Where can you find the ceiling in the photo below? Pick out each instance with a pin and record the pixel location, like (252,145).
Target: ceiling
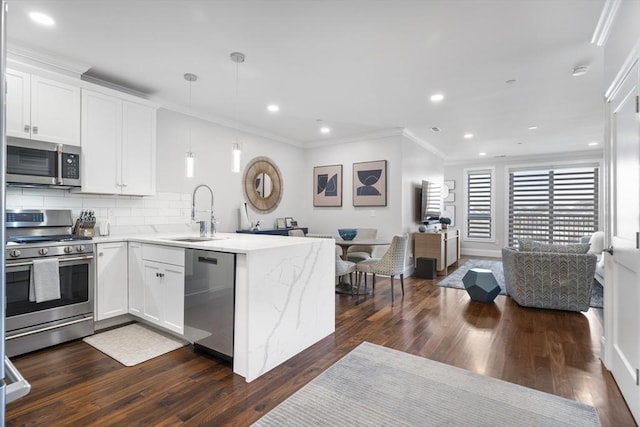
(361,67)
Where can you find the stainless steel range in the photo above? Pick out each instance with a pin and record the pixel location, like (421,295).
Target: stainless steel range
(37,316)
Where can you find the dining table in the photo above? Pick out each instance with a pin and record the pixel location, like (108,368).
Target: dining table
(346,287)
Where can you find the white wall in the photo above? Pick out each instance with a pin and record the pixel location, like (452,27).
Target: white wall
(211,145)
(407,165)
(327,220)
(456,172)
(418,164)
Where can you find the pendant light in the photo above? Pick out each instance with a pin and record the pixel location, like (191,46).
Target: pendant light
(189,160)
(236,150)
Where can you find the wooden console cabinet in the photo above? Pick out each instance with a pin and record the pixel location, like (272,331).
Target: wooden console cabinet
(443,246)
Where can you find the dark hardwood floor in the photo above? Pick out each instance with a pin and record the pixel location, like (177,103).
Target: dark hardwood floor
(552,351)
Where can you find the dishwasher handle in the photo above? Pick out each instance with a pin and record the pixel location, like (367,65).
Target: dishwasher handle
(17,386)
(208,260)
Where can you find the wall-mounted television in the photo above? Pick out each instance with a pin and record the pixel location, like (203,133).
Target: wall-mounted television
(431,206)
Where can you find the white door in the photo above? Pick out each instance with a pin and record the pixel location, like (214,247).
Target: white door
(136,279)
(55,111)
(173,313)
(138,149)
(622,283)
(18,120)
(111,280)
(101,143)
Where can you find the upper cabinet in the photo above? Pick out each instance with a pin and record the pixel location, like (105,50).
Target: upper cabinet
(118,145)
(42,109)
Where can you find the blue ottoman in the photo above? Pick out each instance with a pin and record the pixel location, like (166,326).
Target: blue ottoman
(481,285)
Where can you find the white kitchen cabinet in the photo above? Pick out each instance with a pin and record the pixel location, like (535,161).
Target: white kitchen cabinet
(111,280)
(136,279)
(161,299)
(118,145)
(42,109)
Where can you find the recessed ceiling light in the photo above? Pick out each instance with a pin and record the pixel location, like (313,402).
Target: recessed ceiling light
(593,144)
(532,127)
(435,129)
(436,97)
(41,18)
(580,70)
(482,154)
(325,129)
(273,108)
(510,81)
(467,136)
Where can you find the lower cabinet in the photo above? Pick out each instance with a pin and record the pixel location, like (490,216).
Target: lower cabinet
(111,280)
(156,285)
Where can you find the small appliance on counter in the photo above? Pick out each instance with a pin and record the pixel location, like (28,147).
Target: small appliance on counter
(85,225)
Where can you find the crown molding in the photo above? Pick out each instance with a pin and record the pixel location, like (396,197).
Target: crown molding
(33,58)
(221,121)
(424,144)
(384,133)
(603,28)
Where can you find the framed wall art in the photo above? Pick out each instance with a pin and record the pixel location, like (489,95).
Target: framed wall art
(327,185)
(370,183)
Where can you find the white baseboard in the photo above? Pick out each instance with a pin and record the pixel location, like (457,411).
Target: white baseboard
(481,252)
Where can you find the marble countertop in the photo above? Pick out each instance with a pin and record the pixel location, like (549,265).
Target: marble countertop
(223,242)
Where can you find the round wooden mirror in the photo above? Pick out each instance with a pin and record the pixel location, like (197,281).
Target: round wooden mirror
(262,184)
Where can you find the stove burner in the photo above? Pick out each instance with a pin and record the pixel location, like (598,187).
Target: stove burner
(41,239)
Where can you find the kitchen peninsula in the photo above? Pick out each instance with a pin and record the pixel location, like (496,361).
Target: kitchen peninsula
(284,293)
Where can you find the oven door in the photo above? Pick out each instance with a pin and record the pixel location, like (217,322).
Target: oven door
(76,293)
(32,162)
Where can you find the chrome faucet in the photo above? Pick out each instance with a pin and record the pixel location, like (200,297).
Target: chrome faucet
(203,229)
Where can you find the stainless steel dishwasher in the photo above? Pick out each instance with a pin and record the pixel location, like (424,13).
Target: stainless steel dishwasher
(209,301)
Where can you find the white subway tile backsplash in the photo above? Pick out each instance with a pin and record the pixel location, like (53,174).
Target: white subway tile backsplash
(20,202)
(169,196)
(154,203)
(62,202)
(98,202)
(125,211)
(129,220)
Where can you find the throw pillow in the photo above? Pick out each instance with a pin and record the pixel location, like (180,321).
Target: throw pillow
(597,242)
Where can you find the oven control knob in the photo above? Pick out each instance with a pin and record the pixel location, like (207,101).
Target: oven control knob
(43,251)
(80,248)
(14,253)
(68,249)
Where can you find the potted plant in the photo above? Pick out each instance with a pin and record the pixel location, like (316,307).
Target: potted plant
(444,222)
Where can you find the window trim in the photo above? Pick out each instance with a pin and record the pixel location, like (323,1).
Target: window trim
(492,172)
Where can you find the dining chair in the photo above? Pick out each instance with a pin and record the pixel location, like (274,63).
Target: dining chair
(359,253)
(344,267)
(391,264)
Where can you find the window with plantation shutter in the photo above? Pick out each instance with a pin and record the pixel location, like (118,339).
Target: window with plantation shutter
(479,205)
(557,205)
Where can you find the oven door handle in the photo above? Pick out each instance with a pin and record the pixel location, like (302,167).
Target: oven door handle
(63,260)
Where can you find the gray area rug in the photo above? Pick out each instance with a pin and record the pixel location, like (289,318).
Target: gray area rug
(454,280)
(134,343)
(378,386)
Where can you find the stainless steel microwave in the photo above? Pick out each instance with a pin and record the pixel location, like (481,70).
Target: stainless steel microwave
(41,163)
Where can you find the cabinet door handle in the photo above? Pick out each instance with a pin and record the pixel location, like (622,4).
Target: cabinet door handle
(35,129)
(160,275)
(27,128)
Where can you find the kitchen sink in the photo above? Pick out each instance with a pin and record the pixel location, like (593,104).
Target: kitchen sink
(191,239)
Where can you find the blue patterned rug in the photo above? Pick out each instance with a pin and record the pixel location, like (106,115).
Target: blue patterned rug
(454,279)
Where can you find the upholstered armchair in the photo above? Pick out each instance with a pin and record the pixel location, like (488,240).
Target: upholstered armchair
(540,277)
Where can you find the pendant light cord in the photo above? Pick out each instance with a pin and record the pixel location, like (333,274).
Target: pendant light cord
(237,105)
(190,115)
